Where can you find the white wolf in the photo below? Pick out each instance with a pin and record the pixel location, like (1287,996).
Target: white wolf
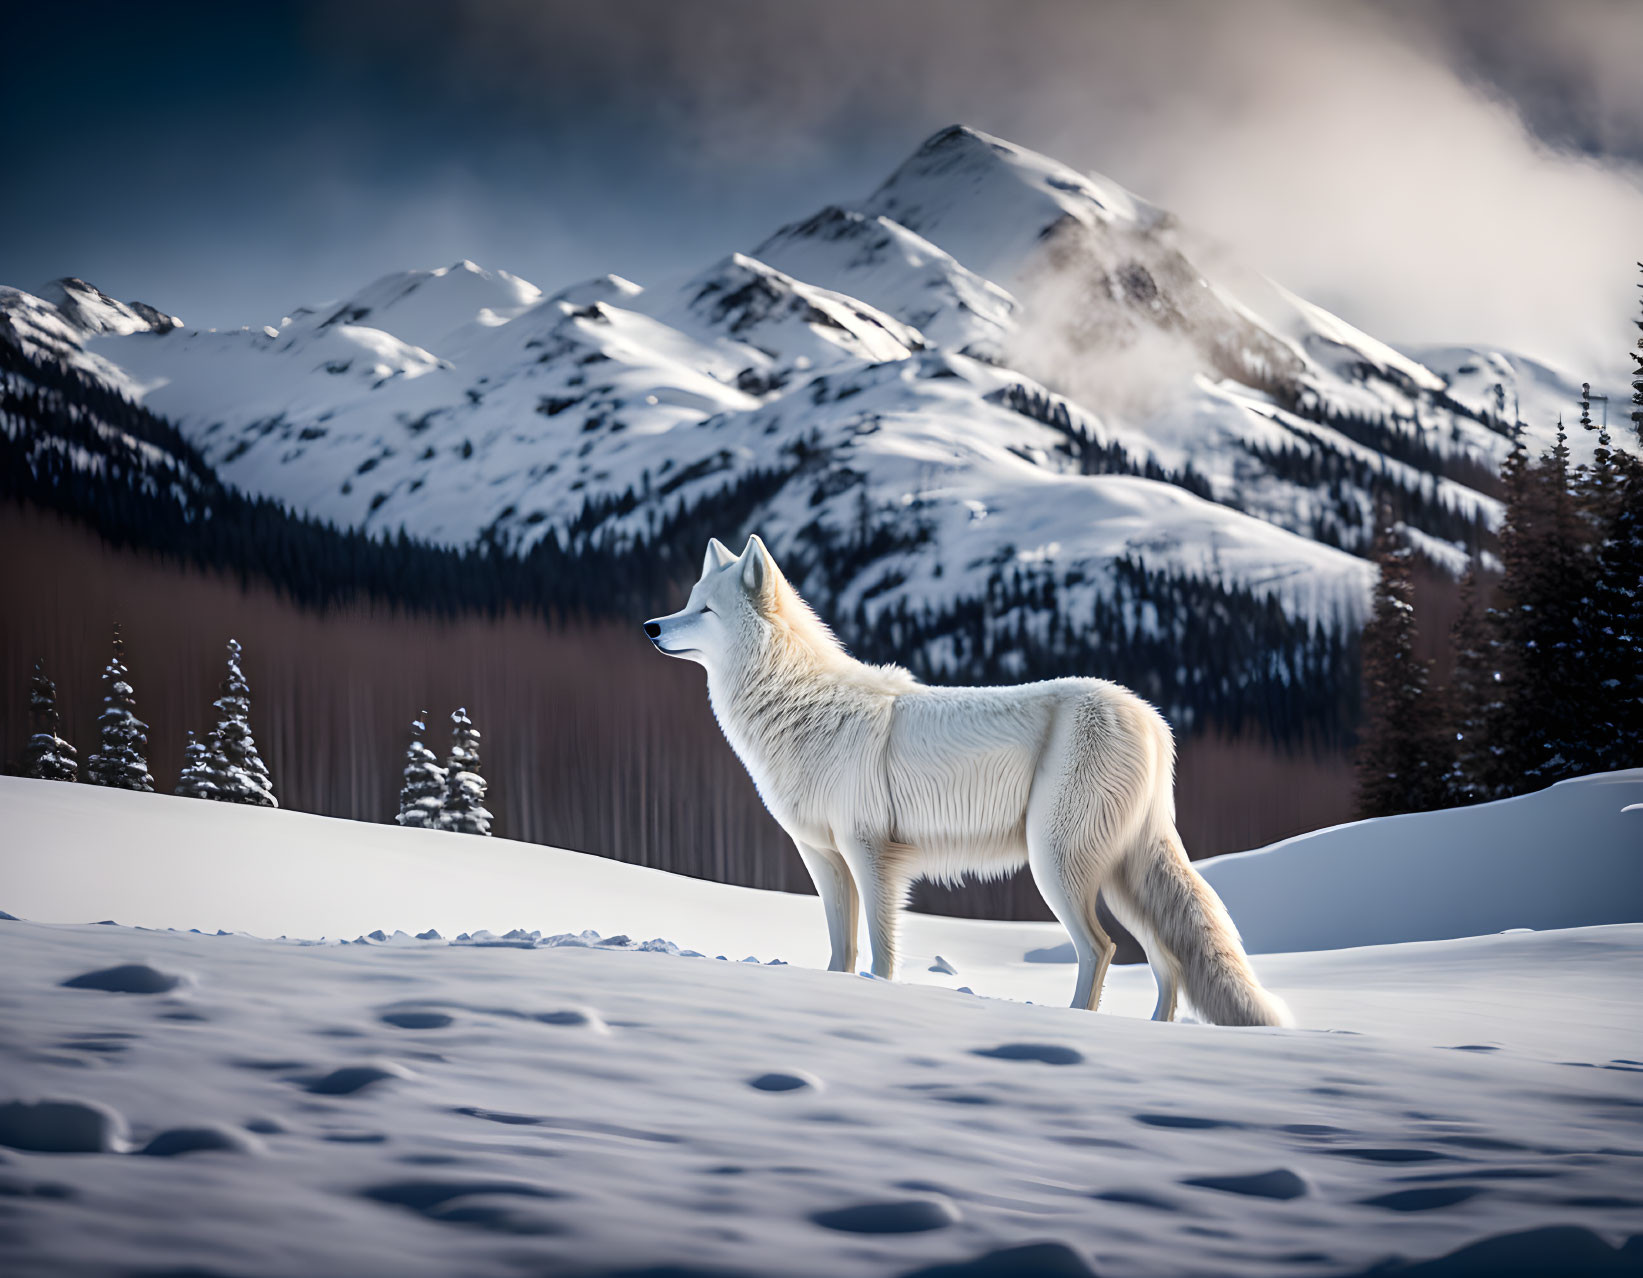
(880,779)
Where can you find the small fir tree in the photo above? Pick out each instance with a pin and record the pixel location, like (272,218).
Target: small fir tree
(122,760)
(422,794)
(1401,762)
(46,756)
(245,776)
(464,809)
(202,774)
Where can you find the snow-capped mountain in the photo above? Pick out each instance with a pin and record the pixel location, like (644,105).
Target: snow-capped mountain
(992,366)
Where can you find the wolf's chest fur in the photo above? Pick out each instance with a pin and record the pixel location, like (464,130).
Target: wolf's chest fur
(946,773)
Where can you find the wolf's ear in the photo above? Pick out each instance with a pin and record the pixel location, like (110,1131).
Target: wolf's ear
(758,569)
(718,555)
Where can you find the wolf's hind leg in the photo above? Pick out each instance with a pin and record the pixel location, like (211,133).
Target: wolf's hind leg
(837,890)
(1164,974)
(1081,811)
(1092,976)
(1073,903)
(1166,968)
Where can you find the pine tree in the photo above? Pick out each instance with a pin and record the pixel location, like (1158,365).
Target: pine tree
(122,761)
(1616,610)
(422,794)
(245,776)
(1584,736)
(1402,761)
(46,756)
(1637,378)
(203,771)
(1546,668)
(1472,690)
(464,810)
(1617,618)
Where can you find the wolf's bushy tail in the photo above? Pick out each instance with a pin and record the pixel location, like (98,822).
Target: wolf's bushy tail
(1183,913)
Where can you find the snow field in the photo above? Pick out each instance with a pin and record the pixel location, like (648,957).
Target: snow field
(435,1110)
(510,1105)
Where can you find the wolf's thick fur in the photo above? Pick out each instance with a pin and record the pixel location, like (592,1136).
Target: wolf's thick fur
(880,780)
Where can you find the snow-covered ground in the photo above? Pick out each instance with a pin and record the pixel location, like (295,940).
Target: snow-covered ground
(417,1107)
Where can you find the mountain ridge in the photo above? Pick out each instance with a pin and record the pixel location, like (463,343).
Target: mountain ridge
(992,370)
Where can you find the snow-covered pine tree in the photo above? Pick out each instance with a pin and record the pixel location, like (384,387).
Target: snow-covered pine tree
(46,756)
(202,773)
(122,760)
(464,810)
(422,794)
(245,776)
(1402,755)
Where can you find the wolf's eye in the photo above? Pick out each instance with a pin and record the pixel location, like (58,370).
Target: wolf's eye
(705,608)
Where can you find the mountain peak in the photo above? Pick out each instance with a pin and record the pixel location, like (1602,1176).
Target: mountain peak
(95,313)
(436,309)
(989,202)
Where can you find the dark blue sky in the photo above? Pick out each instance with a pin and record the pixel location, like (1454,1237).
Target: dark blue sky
(211,158)
(229,162)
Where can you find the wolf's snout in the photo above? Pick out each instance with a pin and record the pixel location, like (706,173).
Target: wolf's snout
(653,630)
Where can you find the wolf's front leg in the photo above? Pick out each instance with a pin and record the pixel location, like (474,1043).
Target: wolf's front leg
(882,878)
(837,890)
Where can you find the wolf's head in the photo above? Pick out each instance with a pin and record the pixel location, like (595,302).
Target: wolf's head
(735,595)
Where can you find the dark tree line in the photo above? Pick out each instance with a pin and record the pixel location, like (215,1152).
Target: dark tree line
(1343,479)
(1208,654)
(1094,455)
(1310,462)
(1402,439)
(1548,658)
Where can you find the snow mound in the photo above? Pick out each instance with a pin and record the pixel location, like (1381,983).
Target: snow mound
(61,1126)
(1568,856)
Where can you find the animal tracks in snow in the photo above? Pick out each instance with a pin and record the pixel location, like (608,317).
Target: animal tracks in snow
(126,978)
(497,1108)
(1046,1053)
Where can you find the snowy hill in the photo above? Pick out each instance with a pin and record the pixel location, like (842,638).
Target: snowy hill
(504,1105)
(978,390)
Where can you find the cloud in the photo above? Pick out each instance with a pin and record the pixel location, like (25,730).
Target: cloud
(1467,171)
(1364,173)
(1458,171)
